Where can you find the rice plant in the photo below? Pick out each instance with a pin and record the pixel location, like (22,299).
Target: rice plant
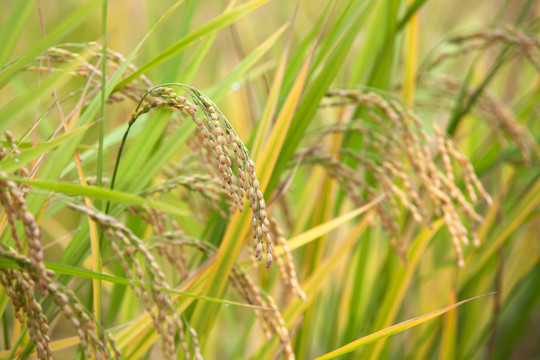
(265,180)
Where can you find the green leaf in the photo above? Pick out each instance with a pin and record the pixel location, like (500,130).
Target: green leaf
(273,97)
(11,164)
(411,10)
(210,27)
(217,91)
(8,262)
(138,177)
(315,91)
(12,29)
(323,229)
(102,194)
(394,329)
(88,274)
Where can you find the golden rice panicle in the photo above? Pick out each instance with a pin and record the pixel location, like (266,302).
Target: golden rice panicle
(13,199)
(157,219)
(270,318)
(288,273)
(89,56)
(147,281)
(229,154)
(526,43)
(417,176)
(281,328)
(207,186)
(494,111)
(231,151)
(83,322)
(18,286)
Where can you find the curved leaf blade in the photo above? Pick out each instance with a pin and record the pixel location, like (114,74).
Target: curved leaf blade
(394,329)
(102,194)
(210,27)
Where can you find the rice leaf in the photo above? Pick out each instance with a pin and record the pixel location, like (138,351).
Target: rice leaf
(394,329)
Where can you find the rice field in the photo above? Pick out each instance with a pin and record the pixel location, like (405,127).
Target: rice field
(261,179)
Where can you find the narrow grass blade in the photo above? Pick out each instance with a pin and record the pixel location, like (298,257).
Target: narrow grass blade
(411,11)
(448,342)
(190,70)
(88,274)
(378,41)
(101,193)
(11,164)
(12,29)
(142,165)
(139,150)
(301,51)
(399,283)
(394,329)
(99,171)
(220,89)
(323,229)
(174,67)
(271,103)
(528,202)
(410,59)
(313,285)
(275,142)
(316,90)
(461,99)
(210,27)
(113,138)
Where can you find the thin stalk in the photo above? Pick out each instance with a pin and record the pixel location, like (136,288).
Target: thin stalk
(96,242)
(17,343)
(410,57)
(414,6)
(116,165)
(497,306)
(99,180)
(5,328)
(119,155)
